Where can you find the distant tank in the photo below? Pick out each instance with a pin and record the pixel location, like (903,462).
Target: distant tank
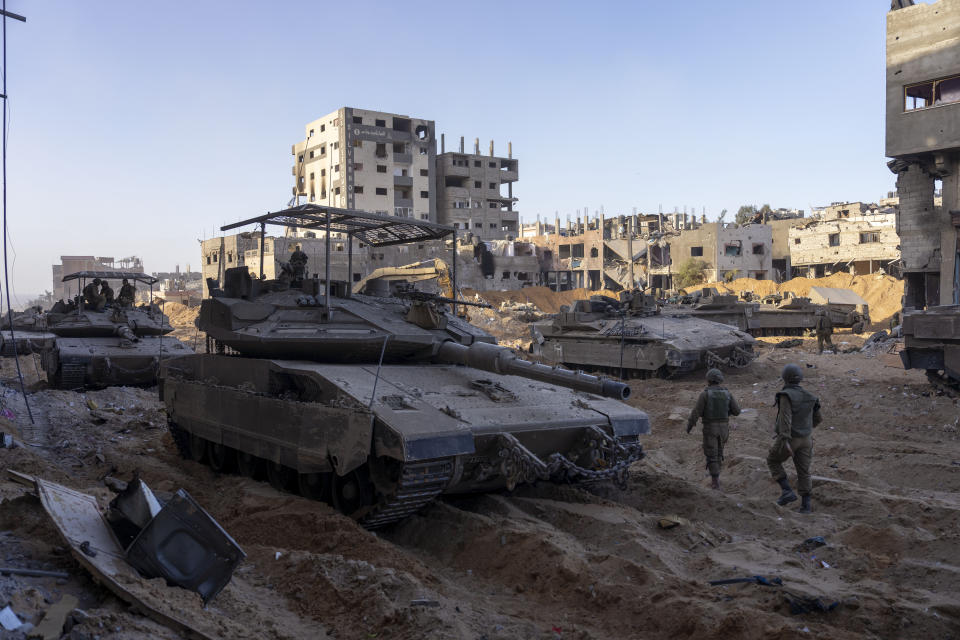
(931,341)
(775,315)
(634,338)
(29,333)
(380,404)
(118,345)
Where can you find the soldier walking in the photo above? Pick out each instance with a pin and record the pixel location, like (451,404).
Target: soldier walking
(798,412)
(714,407)
(824,329)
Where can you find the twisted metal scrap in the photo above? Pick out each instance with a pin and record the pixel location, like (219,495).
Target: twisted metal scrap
(519,464)
(738,359)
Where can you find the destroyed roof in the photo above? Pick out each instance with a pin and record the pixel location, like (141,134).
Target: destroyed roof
(112,275)
(830,295)
(370,228)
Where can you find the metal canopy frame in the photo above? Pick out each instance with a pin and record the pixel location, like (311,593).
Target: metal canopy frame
(112,275)
(370,228)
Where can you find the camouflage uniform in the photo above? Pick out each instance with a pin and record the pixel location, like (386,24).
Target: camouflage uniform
(106,291)
(798,412)
(91,296)
(714,407)
(128,293)
(824,329)
(298,264)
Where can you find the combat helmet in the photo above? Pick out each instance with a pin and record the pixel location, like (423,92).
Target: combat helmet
(715,376)
(792,373)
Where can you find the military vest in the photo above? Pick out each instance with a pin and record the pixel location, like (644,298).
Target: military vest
(717,406)
(802,403)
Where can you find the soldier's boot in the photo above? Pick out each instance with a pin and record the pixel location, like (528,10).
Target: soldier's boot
(805,504)
(714,482)
(786,495)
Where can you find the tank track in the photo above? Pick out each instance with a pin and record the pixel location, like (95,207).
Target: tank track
(420,483)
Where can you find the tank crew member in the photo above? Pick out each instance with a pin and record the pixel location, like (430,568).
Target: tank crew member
(106,291)
(714,407)
(823,329)
(128,294)
(91,296)
(298,262)
(798,412)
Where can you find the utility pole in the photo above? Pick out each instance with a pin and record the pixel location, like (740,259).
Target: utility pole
(3,132)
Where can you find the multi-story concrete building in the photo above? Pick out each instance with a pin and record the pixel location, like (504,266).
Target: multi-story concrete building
(368,160)
(848,236)
(923,138)
(475,192)
(727,250)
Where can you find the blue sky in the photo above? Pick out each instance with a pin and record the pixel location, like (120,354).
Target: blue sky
(137,128)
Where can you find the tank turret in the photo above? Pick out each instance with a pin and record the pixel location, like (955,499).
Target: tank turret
(380,403)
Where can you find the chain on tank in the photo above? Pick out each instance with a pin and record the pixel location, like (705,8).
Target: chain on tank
(738,359)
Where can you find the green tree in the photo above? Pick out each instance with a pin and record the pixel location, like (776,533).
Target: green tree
(745,214)
(731,275)
(691,272)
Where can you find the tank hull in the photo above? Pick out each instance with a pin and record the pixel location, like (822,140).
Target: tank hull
(25,342)
(397,435)
(73,363)
(931,341)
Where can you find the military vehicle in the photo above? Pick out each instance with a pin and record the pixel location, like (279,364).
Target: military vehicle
(931,341)
(380,404)
(116,345)
(631,337)
(29,334)
(782,314)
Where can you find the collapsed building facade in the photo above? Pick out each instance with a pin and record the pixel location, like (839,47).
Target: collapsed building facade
(852,236)
(923,140)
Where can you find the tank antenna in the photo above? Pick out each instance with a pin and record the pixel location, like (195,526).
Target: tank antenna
(383,349)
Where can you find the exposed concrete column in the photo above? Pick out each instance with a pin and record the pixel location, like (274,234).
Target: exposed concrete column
(461,144)
(476,146)
(491,148)
(510,150)
(919,249)
(442,145)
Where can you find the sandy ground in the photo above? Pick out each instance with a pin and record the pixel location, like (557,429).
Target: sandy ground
(551,561)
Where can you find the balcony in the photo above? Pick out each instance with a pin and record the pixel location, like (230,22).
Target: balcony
(403,181)
(403,158)
(450,169)
(399,201)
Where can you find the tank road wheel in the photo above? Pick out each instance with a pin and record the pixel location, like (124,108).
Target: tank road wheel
(280,477)
(196,447)
(220,457)
(249,465)
(316,486)
(352,491)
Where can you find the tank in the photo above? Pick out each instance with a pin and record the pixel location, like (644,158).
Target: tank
(774,315)
(381,404)
(931,341)
(29,334)
(117,345)
(632,337)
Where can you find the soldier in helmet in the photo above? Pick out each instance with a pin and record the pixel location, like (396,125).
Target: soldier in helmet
(798,412)
(92,297)
(106,291)
(298,264)
(714,407)
(128,293)
(823,329)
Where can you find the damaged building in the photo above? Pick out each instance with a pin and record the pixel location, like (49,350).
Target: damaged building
(923,140)
(475,192)
(848,237)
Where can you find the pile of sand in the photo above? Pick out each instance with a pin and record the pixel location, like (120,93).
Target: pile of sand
(543,298)
(882,292)
(180,315)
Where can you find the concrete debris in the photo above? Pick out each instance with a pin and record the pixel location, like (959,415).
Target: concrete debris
(9,620)
(51,627)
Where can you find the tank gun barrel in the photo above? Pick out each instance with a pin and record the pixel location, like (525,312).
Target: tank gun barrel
(497,359)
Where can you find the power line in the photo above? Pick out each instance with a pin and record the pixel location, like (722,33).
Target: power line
(6,273)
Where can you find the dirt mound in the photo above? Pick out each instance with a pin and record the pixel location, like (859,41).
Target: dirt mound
(882,292)
(544,298)
(181,315)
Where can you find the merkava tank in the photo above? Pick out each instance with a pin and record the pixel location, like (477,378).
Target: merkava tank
(632,337)
(28,335)
(774,315)
(931,341)
(117,345)
(381,404)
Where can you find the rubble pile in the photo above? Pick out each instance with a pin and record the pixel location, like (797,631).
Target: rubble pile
(522,311)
